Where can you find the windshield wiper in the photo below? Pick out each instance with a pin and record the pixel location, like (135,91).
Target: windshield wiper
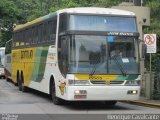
(120,66)
(94,67)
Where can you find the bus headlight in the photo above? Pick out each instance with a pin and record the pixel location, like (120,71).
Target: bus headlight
(80,94)
(132,82)
(78,82)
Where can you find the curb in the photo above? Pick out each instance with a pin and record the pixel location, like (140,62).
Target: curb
(148,104)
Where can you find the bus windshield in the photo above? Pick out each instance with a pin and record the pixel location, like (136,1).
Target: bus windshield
(102,23)
(103,55)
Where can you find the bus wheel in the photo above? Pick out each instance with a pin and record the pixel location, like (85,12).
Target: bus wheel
(56,100)
(110,103)
(19,83)
(24,88)
(7,79)
(16,84)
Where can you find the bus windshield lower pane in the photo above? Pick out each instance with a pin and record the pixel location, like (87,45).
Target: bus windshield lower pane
(102,23)
(97,54)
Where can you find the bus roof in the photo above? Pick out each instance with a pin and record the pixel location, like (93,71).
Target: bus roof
(82,10)
(95,10)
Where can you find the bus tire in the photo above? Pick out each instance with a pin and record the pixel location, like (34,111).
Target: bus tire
(55,99)
(17,80)
(110,103)
(24,88)
(16,84)
(19,83)
(7,79)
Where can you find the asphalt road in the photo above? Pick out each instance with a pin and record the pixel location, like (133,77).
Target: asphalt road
(38,105)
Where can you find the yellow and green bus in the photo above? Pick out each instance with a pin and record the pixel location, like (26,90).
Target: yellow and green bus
(79,54)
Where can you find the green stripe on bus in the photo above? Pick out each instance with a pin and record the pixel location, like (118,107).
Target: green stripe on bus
(40,64)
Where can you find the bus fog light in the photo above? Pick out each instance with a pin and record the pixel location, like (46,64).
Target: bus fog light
(132,92)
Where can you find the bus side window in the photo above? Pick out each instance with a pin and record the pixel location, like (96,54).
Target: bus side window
(18,39)
(33,35)
(21,38)
(36,34)
(63,55)
(48,31)
(17,43)
(52,30)
(45,32)
(24,36)
(40,33)
(30,36)
(63,23)
(27,37)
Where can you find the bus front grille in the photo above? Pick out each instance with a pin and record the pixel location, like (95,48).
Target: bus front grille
(104,82)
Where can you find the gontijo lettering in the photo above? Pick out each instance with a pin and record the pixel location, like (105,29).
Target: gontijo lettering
(26,54)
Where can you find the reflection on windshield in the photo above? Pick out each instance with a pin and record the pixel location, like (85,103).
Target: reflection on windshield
(102,23)
(87,53)
(123,54)
(90,54)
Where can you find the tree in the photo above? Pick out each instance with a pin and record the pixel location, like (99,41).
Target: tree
(155,28)
(8,17)
(61,4)
(107,3)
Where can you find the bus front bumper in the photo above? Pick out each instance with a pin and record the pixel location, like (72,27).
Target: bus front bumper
(102,93)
